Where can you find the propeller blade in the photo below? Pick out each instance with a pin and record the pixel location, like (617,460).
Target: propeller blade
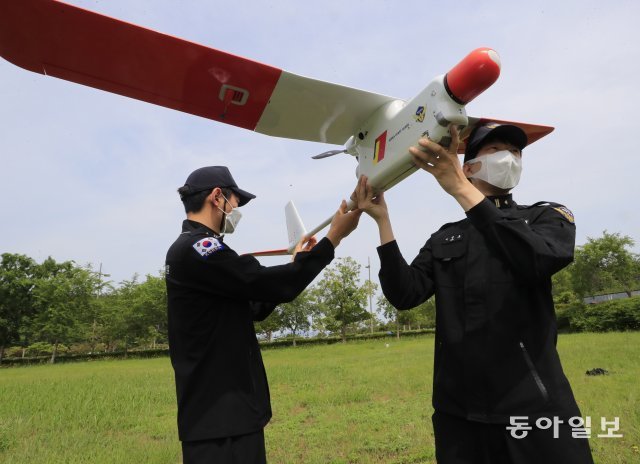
(326,154)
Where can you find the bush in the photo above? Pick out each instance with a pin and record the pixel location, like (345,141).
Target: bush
(13,352)
(86,357)
(44,349)
(616,315)
(284,342)
(84,348)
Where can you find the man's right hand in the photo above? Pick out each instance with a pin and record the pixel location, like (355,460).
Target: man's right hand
(344,222)
(364,198)
(374,207)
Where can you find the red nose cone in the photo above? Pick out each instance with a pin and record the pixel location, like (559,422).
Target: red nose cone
(473,75)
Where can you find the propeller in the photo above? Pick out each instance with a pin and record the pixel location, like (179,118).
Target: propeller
(327,154)
(349,148)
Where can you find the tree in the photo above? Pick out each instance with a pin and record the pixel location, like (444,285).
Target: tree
(295,315)
(422,315)
(91,319)
(389,312)
(340,298)
(110,327)
(61,292)
(426,314)
(565,299)
(150,300)
(116,318)
(135,312)
(561,281)
(269,325)
(369,289)
(16,302)
(605,265)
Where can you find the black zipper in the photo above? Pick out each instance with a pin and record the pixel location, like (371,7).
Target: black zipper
(534,372)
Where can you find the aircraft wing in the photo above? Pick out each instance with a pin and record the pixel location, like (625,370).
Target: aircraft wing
(534,131)
(64,41)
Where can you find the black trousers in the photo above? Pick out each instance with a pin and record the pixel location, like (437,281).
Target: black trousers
(242,449)
(459,441)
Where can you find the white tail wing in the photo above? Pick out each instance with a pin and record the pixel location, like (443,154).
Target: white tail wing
(295,227)
(295,232)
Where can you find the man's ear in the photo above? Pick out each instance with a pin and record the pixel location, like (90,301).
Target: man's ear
(466,169)
(215,196)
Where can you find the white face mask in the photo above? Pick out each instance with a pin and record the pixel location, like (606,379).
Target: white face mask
(231,219)
(501,169)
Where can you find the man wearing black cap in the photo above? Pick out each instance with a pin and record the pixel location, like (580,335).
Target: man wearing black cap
(214,295)
(495,362)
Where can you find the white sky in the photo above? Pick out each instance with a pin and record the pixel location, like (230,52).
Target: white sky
(91,176)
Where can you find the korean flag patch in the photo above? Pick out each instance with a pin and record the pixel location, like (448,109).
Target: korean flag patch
(207,246)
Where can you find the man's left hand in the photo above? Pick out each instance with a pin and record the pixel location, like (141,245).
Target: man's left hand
(442,163)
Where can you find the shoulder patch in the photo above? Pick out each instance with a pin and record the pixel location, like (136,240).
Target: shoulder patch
(208,246)
(566,212)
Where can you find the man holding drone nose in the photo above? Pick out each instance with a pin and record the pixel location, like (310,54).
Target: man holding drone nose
(499,392)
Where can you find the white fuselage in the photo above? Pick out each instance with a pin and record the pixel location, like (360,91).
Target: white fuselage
(382,143)
(383,152)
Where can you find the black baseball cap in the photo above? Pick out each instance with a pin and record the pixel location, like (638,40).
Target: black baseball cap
(210,177)
(506,132)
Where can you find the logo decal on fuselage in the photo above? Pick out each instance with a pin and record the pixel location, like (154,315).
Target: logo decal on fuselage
(379,148)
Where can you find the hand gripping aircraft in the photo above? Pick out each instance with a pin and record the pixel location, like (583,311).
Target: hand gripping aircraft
(64,41)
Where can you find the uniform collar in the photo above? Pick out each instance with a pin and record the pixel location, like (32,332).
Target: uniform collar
(502,201)
(189,225)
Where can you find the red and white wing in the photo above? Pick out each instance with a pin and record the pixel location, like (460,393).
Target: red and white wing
(56,39)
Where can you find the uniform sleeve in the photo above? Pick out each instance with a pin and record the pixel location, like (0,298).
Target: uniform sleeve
(535,248)
(261,310)
(230,275)
(405,286)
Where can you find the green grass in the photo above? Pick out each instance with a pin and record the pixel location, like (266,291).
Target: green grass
(362,402)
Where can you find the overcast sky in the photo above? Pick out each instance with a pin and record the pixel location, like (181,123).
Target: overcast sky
(91,176)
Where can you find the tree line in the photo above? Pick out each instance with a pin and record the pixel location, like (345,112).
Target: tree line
(603,265)
(52,307)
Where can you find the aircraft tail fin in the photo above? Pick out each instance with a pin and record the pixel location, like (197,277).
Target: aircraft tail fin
(295,232)
(295,227)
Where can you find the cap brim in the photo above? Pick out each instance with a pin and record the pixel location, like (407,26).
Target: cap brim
(243,196)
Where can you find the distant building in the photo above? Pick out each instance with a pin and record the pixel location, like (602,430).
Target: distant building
(608,297)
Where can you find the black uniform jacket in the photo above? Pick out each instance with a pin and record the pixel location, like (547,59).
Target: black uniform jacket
(214,295)
(496,333)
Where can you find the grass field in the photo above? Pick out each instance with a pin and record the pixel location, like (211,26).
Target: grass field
(362,402)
